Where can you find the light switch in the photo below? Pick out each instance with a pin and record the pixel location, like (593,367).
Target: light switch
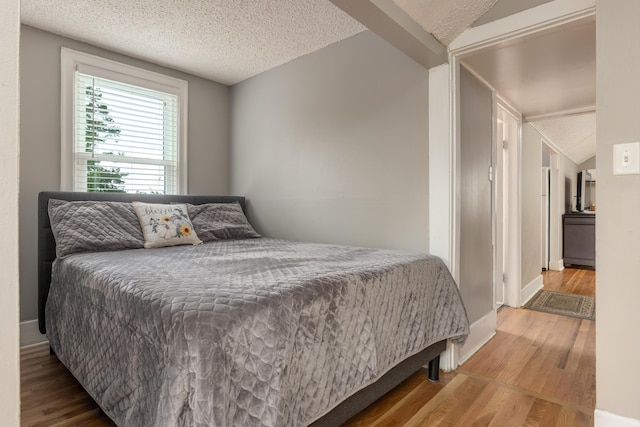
(626,158)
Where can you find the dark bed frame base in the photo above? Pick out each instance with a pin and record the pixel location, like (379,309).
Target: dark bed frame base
(338,415)
(433,373)
(365,397)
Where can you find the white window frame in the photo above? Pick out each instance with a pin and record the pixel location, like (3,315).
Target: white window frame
(72,60)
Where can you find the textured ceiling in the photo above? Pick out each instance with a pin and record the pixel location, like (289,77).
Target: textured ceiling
(549,74)
(222,40)
(231,40)
(575,135)
(545,73)
(446,19)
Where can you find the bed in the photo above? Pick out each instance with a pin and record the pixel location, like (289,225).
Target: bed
(241,331)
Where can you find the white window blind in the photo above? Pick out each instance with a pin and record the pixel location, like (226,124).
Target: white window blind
(123,128)
(125,137)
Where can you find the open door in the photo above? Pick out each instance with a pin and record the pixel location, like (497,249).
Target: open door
(475,173)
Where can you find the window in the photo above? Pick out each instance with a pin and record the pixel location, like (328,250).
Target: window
(121,128)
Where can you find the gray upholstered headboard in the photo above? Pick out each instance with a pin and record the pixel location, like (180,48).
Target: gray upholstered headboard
(47,244)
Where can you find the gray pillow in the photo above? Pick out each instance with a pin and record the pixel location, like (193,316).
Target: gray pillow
(220,221)
(90,226)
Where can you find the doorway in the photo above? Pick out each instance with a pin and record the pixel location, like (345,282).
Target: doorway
(486,45)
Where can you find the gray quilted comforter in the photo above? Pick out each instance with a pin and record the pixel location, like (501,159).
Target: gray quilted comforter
(257,332)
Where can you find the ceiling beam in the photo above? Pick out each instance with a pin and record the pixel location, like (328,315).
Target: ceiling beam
(566,113)
(387,20)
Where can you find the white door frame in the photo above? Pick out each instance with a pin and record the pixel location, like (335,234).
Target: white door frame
(545,210)
(512,267)
(444,134)
(500,197)
(513,282)
(556,206)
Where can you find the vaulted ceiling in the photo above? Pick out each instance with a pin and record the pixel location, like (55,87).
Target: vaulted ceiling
(229,40)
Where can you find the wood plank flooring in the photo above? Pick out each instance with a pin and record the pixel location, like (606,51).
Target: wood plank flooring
(579,281)
(539,370)
(51,396)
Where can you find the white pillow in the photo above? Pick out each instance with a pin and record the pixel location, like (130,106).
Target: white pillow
(165,225)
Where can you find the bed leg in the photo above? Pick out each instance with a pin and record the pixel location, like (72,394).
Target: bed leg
(51,352)
(434,369)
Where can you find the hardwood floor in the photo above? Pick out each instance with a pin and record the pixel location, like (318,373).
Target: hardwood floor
(51,396)
(579,281)
(539,370)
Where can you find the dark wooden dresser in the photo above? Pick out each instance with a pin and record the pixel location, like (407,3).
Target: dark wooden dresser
(579,238)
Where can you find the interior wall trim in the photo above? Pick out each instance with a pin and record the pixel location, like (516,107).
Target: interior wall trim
(441,183)
(566,113)
(29,333)
(556,265)
(530,21)
(548,141)
(530,290)
(514,262)
(481,331)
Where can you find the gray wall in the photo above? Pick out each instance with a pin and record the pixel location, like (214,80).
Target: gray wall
(568,172)
(590,163)
(208,138)
(617,230)
(565,201)
(531,200)
(333,147)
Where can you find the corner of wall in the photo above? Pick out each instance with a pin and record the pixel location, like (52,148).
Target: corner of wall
(29,333)
(482,331)
(556,265)
(530,289)
(607,419)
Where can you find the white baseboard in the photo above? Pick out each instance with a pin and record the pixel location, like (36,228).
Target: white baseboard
(530,290)
(556,265)
(29,333)
(607,419)
(482,331)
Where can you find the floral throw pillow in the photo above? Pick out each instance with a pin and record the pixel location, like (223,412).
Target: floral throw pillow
(165,225)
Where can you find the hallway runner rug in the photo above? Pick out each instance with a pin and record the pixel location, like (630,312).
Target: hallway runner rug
(579,306)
